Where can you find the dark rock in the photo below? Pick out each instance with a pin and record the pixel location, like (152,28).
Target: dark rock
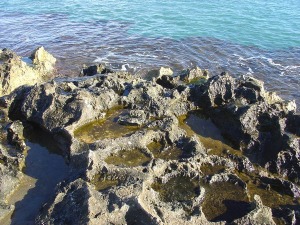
(242,163)
(166,81)
(282,186)
(293,124)
(250,89)
(287,160)
(286,215)
(217,91)
(7,54)
(95,69)
(259,215)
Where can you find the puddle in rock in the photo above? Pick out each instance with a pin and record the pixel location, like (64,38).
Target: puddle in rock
(207,132)
(198,81)
(179,189)
(128,158)
(271,196)
(164,152)
(103,181)
(44,170)
(209,170)
(27,60)
(225,201)
(104,128)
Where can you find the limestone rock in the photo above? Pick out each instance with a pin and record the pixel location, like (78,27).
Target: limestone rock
(43,60)
(5,211)
(14,72)
(133,118)
(81,204)
(159,172)
(15,135)
(193,73)
(156,73)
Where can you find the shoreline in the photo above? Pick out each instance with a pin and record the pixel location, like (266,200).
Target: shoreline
(149,162)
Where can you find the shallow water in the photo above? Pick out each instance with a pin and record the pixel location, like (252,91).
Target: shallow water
(160,151)
(128,158)
(225,201)
(44,169)
(107,127)
(207,132)
(250,37)
(178,189)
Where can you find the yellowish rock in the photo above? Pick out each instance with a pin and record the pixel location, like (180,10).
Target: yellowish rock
(14,72)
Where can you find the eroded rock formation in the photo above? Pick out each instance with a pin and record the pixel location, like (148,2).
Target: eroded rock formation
(15,72)
(155,151)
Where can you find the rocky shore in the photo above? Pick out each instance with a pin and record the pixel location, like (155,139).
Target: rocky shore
(188,148)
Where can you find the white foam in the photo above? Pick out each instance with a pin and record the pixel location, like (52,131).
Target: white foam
(100,60)
(125,67)
(144,54)
(273,63)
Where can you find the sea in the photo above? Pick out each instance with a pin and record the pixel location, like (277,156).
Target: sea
(250,37)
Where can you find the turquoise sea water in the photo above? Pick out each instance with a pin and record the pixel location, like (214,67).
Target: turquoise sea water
(257,37)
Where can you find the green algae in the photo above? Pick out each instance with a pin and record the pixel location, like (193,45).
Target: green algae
(195,123)
(178,189)
(225,201)
(271,196)
(198,81)
(208,169)
(103,182)
(159,151)
(104,128)
(128,158)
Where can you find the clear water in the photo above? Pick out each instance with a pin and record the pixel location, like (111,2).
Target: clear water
(46,168)
(256,37)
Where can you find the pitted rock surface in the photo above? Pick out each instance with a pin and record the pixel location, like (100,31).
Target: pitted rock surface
(161,173)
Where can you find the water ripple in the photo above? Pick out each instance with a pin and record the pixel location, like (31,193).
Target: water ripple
(250,37)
